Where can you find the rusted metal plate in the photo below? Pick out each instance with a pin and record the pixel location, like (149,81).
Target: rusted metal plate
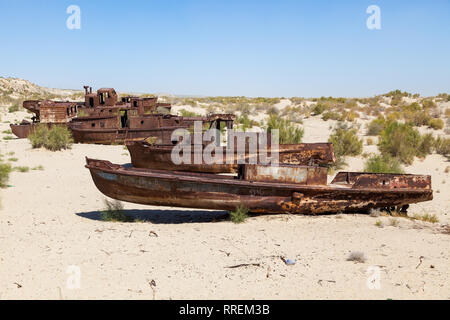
(210,191)
(285,173)
(383,180)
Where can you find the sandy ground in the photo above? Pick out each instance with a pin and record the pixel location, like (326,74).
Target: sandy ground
(49,221)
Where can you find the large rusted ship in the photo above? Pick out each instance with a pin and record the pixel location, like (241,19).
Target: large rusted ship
(132,125)
(103,104)
(262,189)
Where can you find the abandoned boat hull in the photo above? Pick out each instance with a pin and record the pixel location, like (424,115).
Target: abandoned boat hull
(145,155)
(22,131)
(120,136)
(209,191)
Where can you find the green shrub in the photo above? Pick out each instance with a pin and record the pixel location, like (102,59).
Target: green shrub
(442,146)
(38,138)
(427,217)
(21,169)
(376,126)
(54,139)
(436,124)
(418,118)
(288,132)
(413,107)
(5,170)
(187,113)
(114,212)
(401,141)
(383,164)
(346,142)
(239,215)
(319,108)
(428,104)
(59,138)
(426,145)
(330,115)
(14,108)
(246,122)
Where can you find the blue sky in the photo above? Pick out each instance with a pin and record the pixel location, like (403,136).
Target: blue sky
(251,48)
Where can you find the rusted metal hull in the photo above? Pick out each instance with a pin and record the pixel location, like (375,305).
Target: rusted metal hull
(210,191)
(23,130)
(145,155)
(119,136)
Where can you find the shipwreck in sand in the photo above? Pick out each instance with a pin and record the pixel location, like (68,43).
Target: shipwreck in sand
(262,189)
(286,188)
(133,125)
(103,104)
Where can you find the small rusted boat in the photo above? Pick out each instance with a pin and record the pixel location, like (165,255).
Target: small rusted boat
(154,156)
(262,189)
(46,112)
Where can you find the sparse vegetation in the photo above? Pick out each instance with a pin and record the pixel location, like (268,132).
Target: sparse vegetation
(5,170)
(288,132)
(393,222)
(376,126)
(14,108)
(187,113)
(427,217)
(239,215)
(401,141)
(442,146)
(21,169)
(357,256)
(345,143)
(436,124)
(59,138)
(379,224)
(54,139)
(383,164)
(114,212)
(245,122)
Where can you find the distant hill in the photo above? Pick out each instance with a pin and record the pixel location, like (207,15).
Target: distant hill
(15,90)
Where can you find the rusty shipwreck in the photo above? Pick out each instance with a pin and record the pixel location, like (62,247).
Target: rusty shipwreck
(134,124)
(262,189)
(103,104)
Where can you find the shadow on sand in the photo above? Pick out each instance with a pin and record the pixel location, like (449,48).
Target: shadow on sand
(166,216)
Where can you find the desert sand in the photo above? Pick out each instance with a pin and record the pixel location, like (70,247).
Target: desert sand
(50,220)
